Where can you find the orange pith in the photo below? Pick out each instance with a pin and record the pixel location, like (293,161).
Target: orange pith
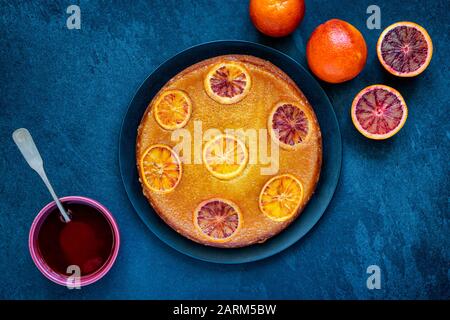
(225,156)
(281,196)
(160,168)
(405,49)
(173,109)
(227,83)
(379,112)
(217,219)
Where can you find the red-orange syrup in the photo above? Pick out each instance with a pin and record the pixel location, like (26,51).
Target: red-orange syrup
(86,241)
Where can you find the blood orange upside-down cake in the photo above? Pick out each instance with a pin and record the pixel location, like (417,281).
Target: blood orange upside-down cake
(217,193)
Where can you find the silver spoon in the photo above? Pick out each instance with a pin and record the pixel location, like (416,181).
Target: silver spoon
(25,143)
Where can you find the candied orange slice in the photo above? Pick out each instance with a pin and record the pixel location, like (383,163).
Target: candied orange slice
(172,109)
(225,156)
(289,125)
(281,197)
(218,219)
(227,82)
(160,168)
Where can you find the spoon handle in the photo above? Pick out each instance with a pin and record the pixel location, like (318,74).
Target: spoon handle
(25,143)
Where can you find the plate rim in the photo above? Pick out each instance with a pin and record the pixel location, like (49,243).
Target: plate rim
(283,245)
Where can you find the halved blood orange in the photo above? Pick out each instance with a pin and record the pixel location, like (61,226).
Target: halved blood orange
(172,109)
(160,168)
(227,82)
(405,49)
(218,219)
(281,197)
(289,124)
(225,156)
(379,112)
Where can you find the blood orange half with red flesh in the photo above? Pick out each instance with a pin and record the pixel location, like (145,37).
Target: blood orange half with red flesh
(405,49)
(379,112)
(217,219)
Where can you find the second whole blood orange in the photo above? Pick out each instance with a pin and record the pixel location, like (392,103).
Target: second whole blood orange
(336,51)
(276,18)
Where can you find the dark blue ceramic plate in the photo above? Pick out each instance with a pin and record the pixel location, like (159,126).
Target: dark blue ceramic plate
(332,152)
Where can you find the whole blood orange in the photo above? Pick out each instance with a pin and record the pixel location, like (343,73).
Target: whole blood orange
(336,51)
(277,18)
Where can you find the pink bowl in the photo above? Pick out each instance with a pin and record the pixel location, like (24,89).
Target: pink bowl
(39,260)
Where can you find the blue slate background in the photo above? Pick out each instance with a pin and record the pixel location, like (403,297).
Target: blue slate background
(71,88)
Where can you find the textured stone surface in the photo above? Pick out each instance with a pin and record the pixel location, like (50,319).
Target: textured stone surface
(71,89)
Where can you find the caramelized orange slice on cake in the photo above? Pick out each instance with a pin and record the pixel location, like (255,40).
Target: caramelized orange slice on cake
(160,168)
(173,109)
(289,124)
(227,82)
(218,219)
(225,156)
(281,197)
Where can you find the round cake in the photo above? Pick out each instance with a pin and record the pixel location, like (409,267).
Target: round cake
(229,151)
